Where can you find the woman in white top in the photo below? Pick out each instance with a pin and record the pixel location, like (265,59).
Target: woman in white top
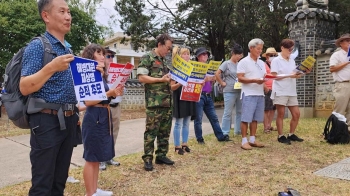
(284,93)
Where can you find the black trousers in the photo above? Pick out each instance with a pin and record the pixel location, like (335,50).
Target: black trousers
(51,152)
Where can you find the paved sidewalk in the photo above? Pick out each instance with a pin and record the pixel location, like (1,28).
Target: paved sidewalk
(14,151)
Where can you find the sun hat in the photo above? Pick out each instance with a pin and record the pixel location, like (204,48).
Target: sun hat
(269,51)
(342,37)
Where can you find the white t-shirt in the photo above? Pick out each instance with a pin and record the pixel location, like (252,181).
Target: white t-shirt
(286,86)
(253,70)
(337,58)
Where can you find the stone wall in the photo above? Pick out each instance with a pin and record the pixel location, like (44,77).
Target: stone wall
(324,87)
(309,32)
(134,97)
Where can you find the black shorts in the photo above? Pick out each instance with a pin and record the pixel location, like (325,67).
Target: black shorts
(268,102)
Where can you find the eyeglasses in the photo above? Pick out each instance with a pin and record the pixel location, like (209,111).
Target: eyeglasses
(289,49)
(169,48)
(272,55)
(110,56)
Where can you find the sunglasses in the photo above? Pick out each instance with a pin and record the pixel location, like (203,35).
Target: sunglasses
(272,55)
(109,56)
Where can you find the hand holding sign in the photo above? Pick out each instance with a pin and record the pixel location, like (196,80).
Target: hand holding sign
(61,63)
(100,67)
(166,78)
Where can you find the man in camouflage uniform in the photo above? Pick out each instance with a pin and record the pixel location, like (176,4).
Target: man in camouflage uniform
(154,73)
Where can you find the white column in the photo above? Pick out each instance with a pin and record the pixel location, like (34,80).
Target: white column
(133,73)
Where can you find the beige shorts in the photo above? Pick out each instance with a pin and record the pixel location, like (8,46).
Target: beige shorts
(286,100)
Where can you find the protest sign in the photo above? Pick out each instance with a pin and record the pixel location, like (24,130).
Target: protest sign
(192,91)
(113,72)
(181,70)
(306,65)
(213,67)
(88,84)
(123,76)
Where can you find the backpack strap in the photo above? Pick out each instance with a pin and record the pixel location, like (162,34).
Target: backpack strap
(48,51)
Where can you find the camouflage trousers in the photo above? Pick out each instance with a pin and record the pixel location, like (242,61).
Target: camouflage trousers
(158,125)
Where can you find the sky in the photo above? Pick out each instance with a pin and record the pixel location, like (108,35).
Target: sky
(107,9)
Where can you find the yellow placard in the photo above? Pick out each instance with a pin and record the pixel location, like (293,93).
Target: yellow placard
(182,65)
(309,62)
(237,85)
(214,65)
(199,67)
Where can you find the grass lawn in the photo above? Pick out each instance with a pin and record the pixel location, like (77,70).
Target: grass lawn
(225,169)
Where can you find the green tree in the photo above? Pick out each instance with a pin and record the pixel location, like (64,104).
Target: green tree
(212,23)
(341,7)
(20,21)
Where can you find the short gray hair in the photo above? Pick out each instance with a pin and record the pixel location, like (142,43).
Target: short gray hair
(254,42)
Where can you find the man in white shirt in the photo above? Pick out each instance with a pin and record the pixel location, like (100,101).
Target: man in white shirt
(115,110)
(250,72)
(340,69)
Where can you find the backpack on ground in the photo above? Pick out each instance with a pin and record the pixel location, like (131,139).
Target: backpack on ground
(335,130)
(14,102)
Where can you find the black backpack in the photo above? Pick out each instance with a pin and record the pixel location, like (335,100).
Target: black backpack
(336,131)
(15,103)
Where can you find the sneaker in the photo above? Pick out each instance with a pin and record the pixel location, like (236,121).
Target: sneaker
(71,179)
(102,166)
(294,138)
(284,140)
(101,192)
(164,160)
(148,165)
(226,138)
(113,162)
(200,141)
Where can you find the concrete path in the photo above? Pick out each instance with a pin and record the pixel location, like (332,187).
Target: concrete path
(14,151)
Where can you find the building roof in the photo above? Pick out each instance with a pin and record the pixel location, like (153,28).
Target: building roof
(327,47)
(133,83)
(312,13)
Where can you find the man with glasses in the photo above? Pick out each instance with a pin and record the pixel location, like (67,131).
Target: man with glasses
(115,111)
(250,72)
(340,69)
(284,93)
(269,111)
(153,71)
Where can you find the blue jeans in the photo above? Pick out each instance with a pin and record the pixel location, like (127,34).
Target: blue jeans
(184,125)
(206,104)
(232,99)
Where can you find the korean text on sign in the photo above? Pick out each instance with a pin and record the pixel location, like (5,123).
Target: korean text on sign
(88,84)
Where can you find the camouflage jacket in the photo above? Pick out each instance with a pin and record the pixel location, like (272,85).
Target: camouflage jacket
(156,94)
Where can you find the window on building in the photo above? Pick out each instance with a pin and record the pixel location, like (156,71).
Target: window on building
(115,45)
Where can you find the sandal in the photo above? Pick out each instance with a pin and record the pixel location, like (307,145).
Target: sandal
(186,148)
(267,130)
(179,151)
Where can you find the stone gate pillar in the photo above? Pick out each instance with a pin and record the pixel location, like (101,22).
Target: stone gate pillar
(310,24)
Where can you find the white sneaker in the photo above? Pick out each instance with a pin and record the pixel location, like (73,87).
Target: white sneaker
(101,192)
(71,179)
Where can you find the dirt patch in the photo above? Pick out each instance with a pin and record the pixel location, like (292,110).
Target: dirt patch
(132,114)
